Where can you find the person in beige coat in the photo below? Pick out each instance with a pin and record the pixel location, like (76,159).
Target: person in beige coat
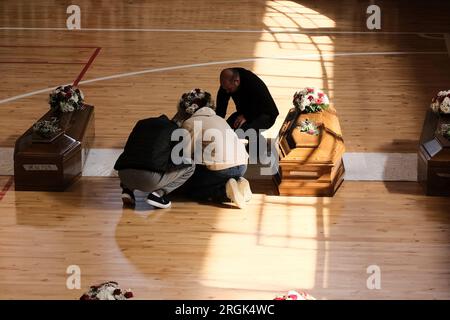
(220,157)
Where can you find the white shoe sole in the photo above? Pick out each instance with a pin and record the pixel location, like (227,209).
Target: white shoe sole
(157,204)
(244,187)
(233,192)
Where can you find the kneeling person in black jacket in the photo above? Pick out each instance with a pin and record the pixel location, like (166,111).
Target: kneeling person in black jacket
(145,163)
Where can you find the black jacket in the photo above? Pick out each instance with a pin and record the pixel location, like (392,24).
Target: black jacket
(148,146)
(252,98)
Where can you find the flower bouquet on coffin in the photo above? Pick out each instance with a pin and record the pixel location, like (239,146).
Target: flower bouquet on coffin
(64,100)
(441,103)
(46,130)
(310,102)
(445,131)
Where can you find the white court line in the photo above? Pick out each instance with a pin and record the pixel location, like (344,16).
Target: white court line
(268,30)
(195,65)
(359,166)
(447,42)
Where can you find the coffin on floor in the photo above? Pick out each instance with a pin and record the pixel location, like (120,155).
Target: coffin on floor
(52,164)
(311,165)
(434,156)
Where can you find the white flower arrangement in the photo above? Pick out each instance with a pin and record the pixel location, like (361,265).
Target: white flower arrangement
(445,130)
(47,128)
(309,100)
(441,102)
(66,99)
(107,291)
(195,99)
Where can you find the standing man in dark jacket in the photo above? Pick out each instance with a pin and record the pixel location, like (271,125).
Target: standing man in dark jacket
(254,104)
(146,165)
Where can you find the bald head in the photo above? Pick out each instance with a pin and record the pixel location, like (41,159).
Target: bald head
(229,80)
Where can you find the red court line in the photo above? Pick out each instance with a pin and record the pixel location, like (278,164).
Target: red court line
(40,62)
(86,67)
(6,187)
(49,46)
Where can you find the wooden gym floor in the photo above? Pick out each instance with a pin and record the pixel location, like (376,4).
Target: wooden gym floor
(149,53)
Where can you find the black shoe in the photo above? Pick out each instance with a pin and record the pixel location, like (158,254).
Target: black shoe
(157,201)
(128,198)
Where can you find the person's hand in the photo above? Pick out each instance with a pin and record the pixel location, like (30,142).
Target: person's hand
(240,120)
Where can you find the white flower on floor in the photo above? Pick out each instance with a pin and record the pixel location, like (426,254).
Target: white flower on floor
(107,291)
(294,295)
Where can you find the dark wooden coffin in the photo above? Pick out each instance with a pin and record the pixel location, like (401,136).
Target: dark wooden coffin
(52,164)
(311,165)
(434,156)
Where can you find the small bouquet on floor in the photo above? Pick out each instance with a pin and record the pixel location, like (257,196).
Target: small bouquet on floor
(107,291)
(294,295)
(309,100)
(441,102)
(66,99)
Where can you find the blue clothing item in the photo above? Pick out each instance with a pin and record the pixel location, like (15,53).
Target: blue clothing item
(210,185)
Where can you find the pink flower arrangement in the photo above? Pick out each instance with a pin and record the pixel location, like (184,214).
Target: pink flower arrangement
(309,100)
(294,295)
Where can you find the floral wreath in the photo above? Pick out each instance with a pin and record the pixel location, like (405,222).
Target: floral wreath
(441,102)
(195,99)
(66,99)
(309,100)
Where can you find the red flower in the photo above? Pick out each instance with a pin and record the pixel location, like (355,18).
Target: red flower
(309,90)
(128,294)
(319,101)
(310,98)
(320,95)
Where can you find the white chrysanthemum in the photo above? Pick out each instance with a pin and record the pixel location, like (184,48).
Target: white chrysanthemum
(445,108)
(191,109)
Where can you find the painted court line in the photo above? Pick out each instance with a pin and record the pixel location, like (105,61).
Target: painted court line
(195,65)
(80,76)
(6,188)
(86,67)
(447,42)
(41,62)
(268,30)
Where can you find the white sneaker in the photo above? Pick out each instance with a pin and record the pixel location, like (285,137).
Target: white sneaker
(244,187)
(233,192)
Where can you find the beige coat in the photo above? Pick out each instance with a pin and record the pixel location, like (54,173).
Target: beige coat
(220,147)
